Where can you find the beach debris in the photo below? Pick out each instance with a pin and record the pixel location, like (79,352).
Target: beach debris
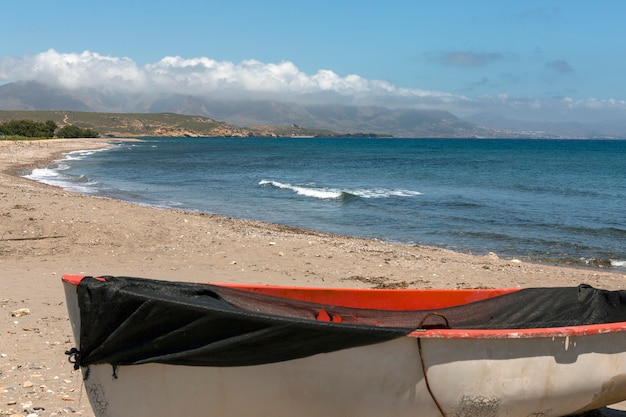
(20,312)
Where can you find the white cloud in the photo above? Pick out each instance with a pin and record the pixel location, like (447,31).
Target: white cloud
(202,75)
(73,70)
(561,109)
(283,80)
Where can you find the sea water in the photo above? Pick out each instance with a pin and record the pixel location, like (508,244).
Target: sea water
(543,200)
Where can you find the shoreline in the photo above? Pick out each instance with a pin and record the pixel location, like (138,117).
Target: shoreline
(593,264)
(40,153)
(46,231)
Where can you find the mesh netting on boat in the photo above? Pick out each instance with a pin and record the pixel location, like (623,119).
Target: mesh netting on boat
(128,321)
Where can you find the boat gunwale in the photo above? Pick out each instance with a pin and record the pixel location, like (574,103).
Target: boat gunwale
(437,333)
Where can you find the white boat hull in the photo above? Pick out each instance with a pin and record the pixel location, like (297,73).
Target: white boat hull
(487,377)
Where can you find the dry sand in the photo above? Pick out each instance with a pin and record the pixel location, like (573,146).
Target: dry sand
(46,232)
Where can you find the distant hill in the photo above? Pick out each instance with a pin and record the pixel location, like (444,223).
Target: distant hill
(244,117)
(35,96)
(332,117)
(154,124)
(607,129)
(129,114)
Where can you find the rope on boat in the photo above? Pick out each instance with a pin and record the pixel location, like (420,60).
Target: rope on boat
(73,357)
(419,347)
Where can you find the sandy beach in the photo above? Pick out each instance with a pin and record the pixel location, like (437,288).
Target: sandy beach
(46,232)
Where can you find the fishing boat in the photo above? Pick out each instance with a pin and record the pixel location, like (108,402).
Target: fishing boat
(151,348)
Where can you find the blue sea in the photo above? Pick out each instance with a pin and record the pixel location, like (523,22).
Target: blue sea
(558,201)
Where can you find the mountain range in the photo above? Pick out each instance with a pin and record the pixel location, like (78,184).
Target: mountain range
(339,119)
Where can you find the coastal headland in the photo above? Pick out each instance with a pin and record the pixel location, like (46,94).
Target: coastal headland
(46,232)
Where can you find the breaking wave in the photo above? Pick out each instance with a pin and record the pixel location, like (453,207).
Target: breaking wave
(325,193)
(56,177)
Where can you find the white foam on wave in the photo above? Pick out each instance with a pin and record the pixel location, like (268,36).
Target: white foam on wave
(82,154)
(322,193)
(53,175)
(45,175)
(383,193)
(333,193)
(618,264)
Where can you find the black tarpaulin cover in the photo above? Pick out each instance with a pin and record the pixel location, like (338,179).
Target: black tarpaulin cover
(127,321)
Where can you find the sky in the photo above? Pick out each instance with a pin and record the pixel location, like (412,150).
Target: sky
(530,60)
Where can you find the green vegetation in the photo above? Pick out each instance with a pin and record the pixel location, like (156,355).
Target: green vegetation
(112,125)
(28,128)
(72,131)
(128,124)
(32,129)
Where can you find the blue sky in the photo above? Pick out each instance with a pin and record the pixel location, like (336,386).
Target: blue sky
(550,60)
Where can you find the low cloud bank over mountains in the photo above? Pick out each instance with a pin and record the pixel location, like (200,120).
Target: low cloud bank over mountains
(255,93)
